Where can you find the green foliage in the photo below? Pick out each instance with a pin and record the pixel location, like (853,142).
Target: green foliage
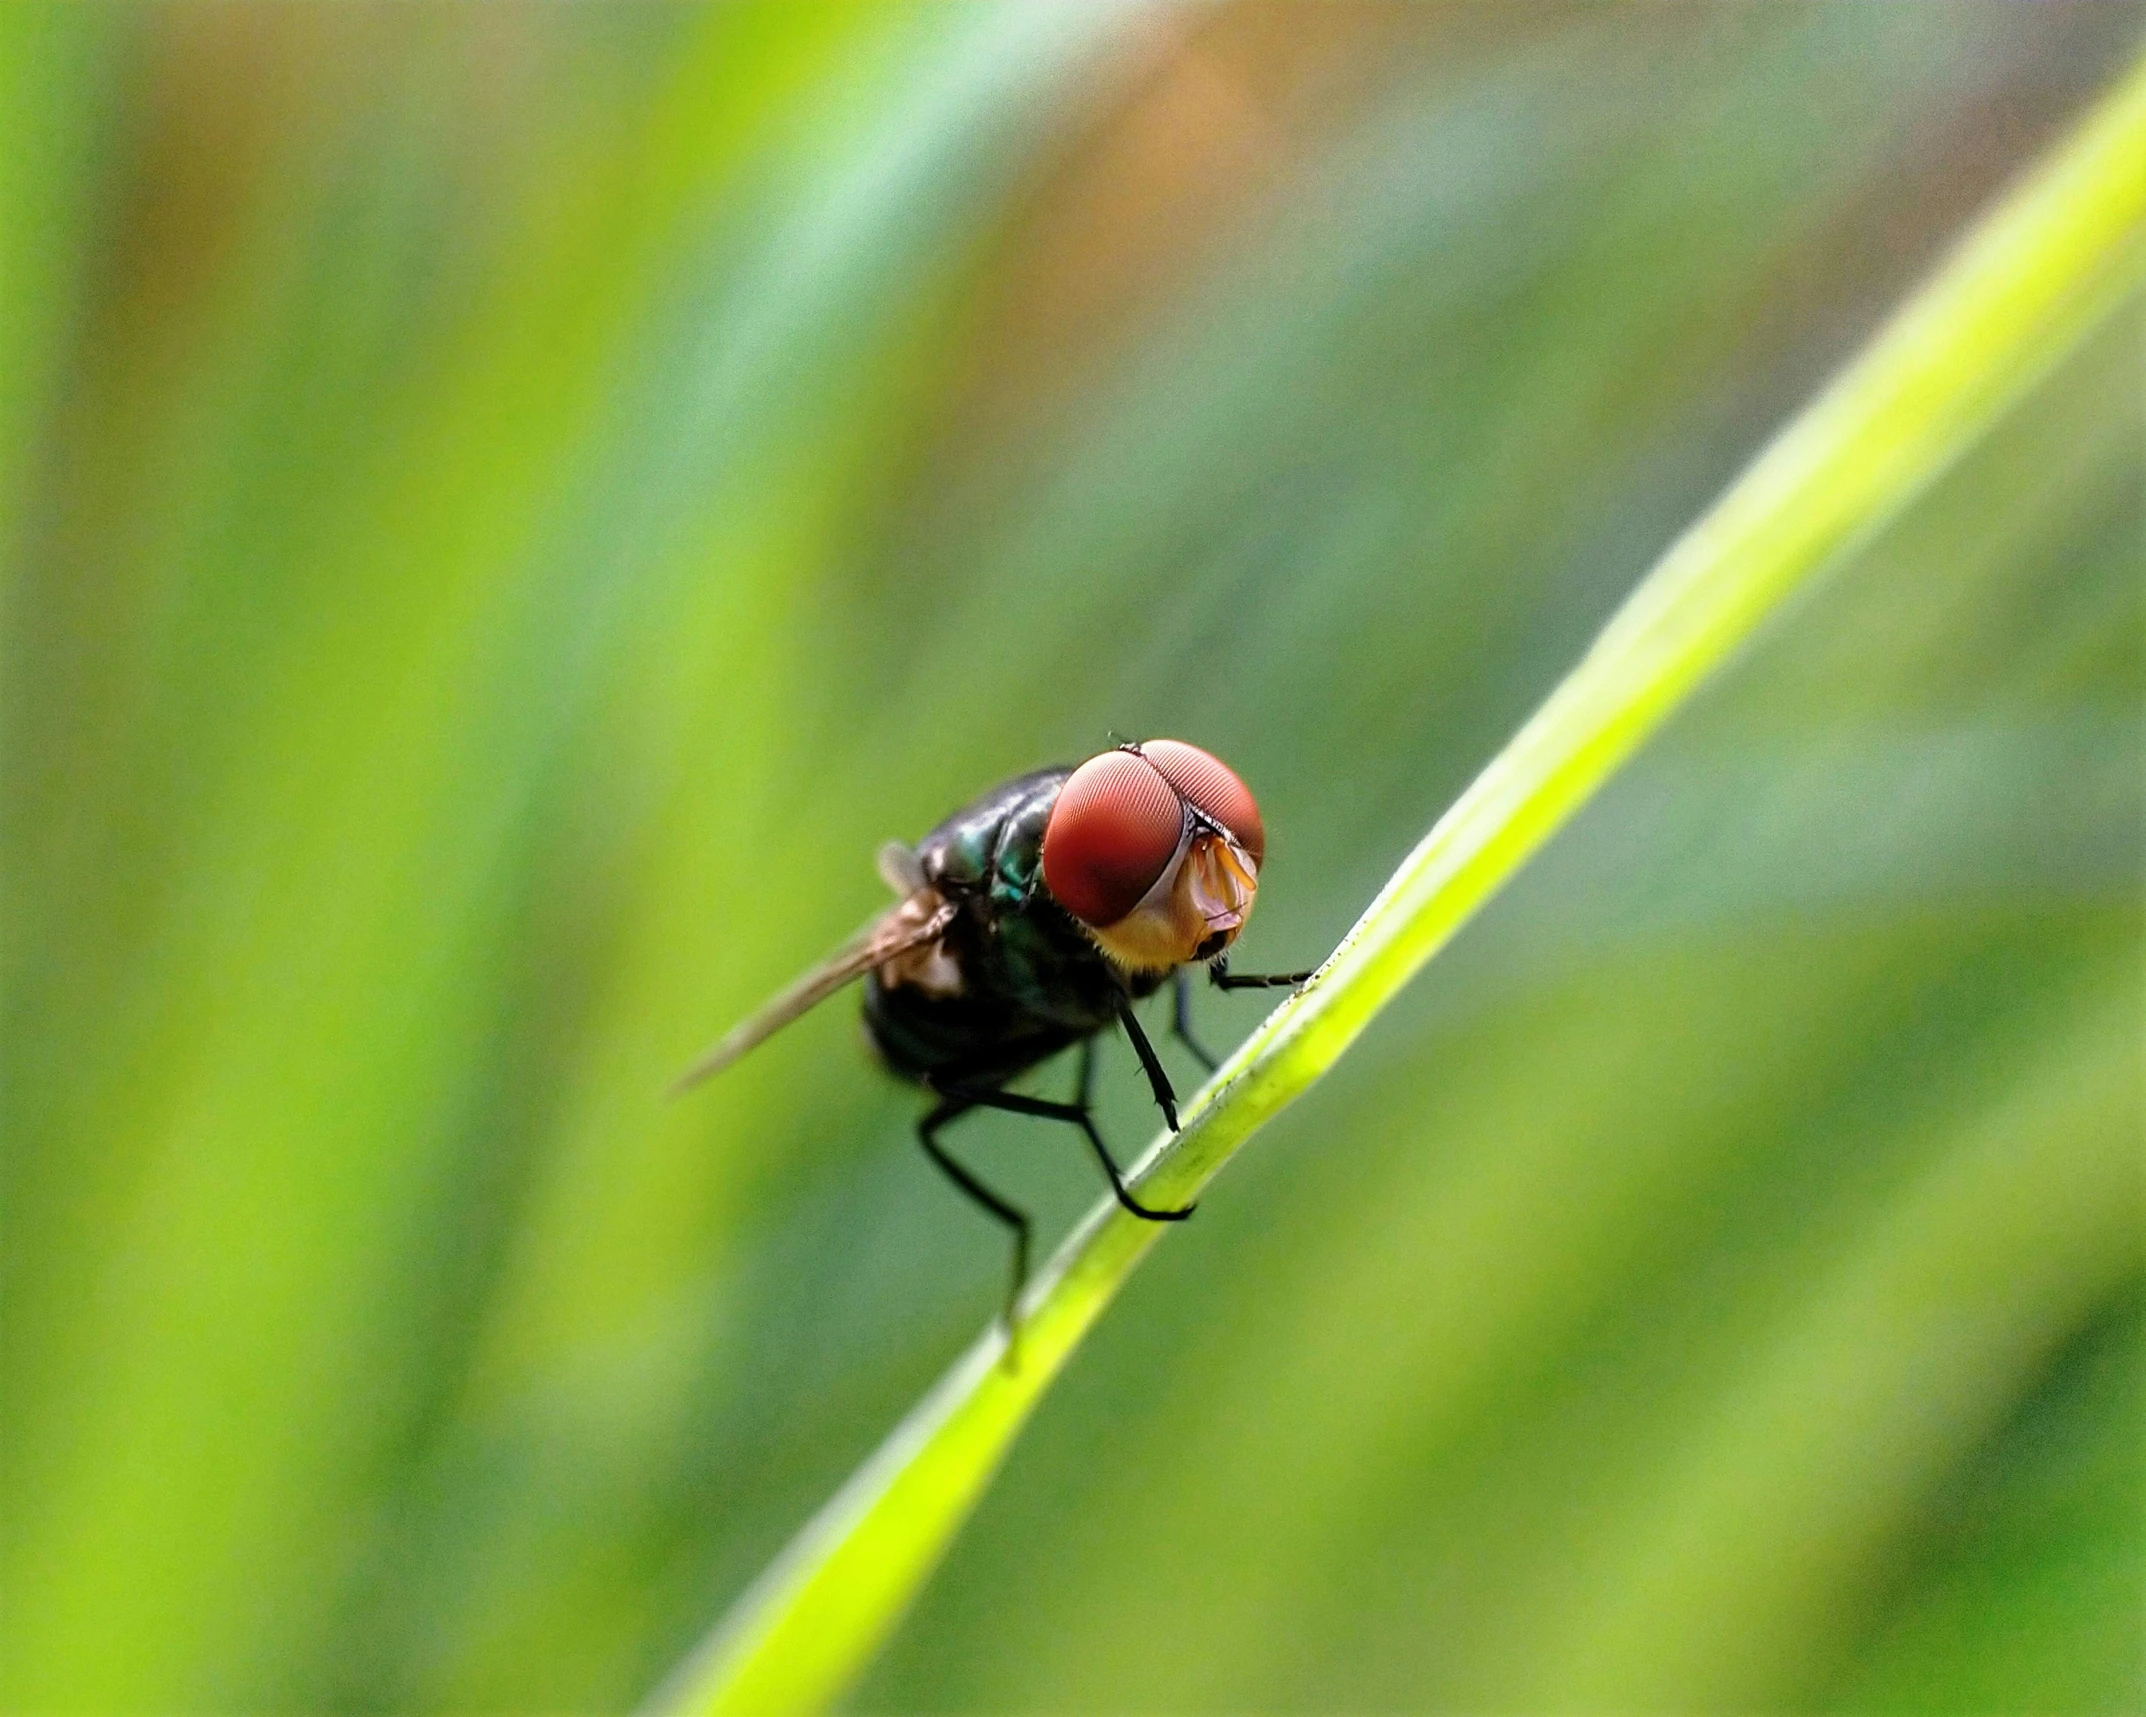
(506,507)
(2019,294)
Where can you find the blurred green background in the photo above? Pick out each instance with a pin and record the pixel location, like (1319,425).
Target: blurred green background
(505,507)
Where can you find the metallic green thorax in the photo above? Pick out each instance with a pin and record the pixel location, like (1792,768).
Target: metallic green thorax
(1032,983)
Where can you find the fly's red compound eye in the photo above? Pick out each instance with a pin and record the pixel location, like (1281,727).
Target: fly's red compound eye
(1113,832)
(1211,786)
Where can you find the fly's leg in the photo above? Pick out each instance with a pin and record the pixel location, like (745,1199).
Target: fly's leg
(1219,975)
(1012,1216)
(1013,1103)
(1181,1021)
(1158,1080)
(1081,1086)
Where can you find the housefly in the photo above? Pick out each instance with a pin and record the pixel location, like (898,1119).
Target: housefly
(1030,921)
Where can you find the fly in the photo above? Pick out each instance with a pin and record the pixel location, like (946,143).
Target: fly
(1030,921)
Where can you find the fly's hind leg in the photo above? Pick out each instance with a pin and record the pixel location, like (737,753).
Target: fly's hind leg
(1084,1080)
(1082,1084)
(1012,1216)
(1013,1103)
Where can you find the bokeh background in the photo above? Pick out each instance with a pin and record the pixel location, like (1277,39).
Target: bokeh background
(504,508)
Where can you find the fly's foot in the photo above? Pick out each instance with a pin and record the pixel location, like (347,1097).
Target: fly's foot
(1219,975)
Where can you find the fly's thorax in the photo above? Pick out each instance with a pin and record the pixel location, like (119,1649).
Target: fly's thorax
(992,837)
(1017,860)
(1008,947)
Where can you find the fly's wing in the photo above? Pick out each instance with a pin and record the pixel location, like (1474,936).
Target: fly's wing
(910,925)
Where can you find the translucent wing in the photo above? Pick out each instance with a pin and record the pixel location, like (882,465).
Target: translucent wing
(920,919)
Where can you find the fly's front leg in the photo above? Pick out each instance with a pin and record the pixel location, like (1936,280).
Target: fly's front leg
(1158,1080)
(1011,1215)
(1219,975)
(1181,1020)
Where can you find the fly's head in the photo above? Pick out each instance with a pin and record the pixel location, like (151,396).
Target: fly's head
(1155,848)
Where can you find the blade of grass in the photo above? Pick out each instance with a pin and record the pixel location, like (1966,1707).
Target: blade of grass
(2028,280)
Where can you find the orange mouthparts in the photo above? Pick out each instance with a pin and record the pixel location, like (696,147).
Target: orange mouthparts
(1194,911)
